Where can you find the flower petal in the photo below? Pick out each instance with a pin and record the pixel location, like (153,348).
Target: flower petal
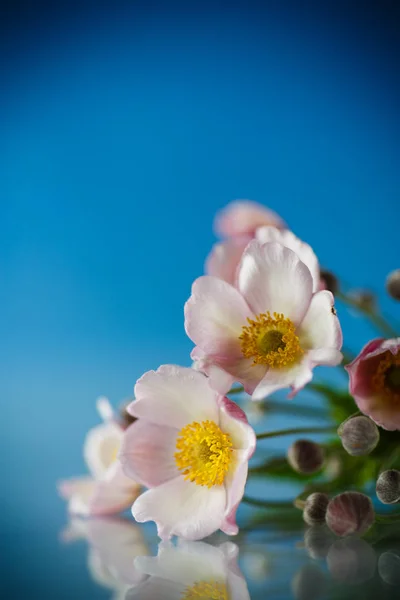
(233,420)
(174,396)
(272,278)
(101,446)
(224,371)
(155,589)
(90,497)
(243,217)
(147,453)
(187,563)
(235,482)
(224,258)
(276,379)
(220,380)
(214,316)
(182,508)
(287,238)
(320,327)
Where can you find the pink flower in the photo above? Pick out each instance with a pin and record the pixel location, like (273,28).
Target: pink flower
(107,490)
(269,330)
(191,570)
(375,382)
(191,447)
(224,259)
(242,217)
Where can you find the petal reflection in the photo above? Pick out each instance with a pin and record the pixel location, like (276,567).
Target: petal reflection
(191,570)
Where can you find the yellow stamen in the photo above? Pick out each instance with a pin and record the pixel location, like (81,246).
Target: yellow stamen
(207,590)
(386,380)
(271,341)
(204,453)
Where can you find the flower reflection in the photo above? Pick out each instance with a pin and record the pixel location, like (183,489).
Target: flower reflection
(191,570)
(114,543)
(351,561)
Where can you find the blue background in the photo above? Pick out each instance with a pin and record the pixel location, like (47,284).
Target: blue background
(124,128)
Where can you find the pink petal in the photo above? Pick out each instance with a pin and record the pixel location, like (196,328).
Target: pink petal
(220,380)
(233,420)
(320,327)
(182,508)
(224,258)
(147,453)
(214,316)
(90,497)
(174,396)
(235,482)
(285,237)
(243,217)
(272,278)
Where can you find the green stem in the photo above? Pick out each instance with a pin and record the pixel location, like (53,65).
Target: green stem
(376,318)
(295,430)
(266,504)
(387,519)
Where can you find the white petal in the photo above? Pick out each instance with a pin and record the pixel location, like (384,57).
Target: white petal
(272,278)
(277,379)
(320,327)
(235,482)
(147,453)
(174,396)
(101,447)
(214,316)
(187,563)
(156,589)
(182,508)
(105,409)
(287,238)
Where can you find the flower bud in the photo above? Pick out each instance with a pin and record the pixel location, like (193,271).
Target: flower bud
(389,568)
(315,508)
(330,281)
(305,456)
(359,435)
(393,284)
(388,487)
(317,541)
(351,561)
(350,513)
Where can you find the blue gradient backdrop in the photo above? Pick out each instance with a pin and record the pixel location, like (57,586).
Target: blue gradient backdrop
(124,128)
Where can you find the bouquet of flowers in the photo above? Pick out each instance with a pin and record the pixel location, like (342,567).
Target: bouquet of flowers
(261,319)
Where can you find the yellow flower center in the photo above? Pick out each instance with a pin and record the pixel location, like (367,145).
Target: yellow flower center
(386,380)
(271,340)
(204,453)
(207,590)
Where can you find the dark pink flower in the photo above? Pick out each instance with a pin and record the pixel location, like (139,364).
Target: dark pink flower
(375,382)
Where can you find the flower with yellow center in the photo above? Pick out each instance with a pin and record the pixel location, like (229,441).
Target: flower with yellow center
(271,341)
(204,453)
(375,382)
(268,327)
(190,446)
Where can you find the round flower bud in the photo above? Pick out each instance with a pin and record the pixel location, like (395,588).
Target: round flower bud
(330,281)
(359,435)
(350,513)
(317,541)
(393,284)
(389,568)
(351,561)
(315,508)
(388,487)
(309,583)
(305,456)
